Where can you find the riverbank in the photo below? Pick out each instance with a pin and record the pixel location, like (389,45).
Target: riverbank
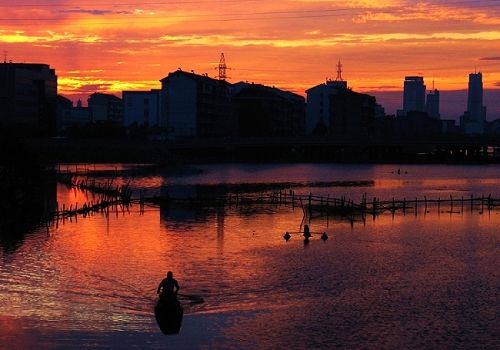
(262,150)
(63,150)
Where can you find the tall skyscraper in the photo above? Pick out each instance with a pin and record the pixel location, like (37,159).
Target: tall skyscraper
(432,104)
(475,98)
(474,118)
(413,95)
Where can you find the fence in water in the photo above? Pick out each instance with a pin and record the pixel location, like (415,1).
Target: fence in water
(312,206)
(317,206)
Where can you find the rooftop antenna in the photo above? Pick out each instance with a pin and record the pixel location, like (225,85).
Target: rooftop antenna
(222,67)
(5,56)
(339,72)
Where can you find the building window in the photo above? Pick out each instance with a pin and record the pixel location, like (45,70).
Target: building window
(146,102)
(130,102)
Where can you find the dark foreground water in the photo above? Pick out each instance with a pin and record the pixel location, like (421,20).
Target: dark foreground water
(425,279)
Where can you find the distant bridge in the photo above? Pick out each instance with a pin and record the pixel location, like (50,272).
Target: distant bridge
(272,149)
(340,149)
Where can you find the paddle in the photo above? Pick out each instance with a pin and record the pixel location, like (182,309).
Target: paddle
(193,298)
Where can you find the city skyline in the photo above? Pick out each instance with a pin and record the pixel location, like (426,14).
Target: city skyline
(110,47)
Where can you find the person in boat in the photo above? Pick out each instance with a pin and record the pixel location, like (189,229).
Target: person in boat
(168,287)
(307,233)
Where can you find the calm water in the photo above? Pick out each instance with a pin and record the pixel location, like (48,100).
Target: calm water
(419,280)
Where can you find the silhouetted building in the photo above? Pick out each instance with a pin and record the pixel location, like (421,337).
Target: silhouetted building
(432,104)
(267,111)
(448,126)
(318,104)
(142,107)
(493,127)
(105,107)
(28,93)
(475,97)
(413,95)
(414,125)
(423,126)
(70,116)
(196,105)
(352,113)
(473,120)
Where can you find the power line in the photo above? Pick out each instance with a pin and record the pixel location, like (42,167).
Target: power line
(194,17)
(300,13)
(114,4)
(481,3)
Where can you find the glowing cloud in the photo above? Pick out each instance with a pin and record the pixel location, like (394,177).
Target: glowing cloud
(289,44)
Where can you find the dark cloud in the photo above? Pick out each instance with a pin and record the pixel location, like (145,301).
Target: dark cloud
(497,83)
(96,12)
(381,87)
(494,58)
(91,88)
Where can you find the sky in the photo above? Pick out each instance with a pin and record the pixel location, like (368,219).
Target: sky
(110,46)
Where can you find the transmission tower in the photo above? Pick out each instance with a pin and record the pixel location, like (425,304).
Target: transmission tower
(339,72)
(222,67)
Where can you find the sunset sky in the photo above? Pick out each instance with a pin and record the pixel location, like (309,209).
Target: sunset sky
(111,46)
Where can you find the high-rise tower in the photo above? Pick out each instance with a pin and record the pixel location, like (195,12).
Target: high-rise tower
(475,98)
(474,118)
(432,103)
(414,94)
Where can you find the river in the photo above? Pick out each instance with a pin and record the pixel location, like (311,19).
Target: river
(424,279)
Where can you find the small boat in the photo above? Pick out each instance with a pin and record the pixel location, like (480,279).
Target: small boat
(168,314)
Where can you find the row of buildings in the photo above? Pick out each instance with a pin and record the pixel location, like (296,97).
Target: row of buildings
(415,100)
(193,105)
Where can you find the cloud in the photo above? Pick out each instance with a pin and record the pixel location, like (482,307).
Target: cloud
(494,58)
(381,87)
(497,83)
(93,87)
(95,12)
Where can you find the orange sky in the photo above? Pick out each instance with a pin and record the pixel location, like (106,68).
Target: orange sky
(110,46)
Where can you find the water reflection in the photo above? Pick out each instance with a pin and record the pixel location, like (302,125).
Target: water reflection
(24,203)
(425,279)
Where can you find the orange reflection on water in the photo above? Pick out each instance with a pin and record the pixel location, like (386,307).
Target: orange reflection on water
(72,197)
(19,333)
(425,183)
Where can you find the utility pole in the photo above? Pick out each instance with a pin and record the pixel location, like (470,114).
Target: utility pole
(222,67)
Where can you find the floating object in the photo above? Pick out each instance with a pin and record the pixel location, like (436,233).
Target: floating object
(324,236)
(287,236)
